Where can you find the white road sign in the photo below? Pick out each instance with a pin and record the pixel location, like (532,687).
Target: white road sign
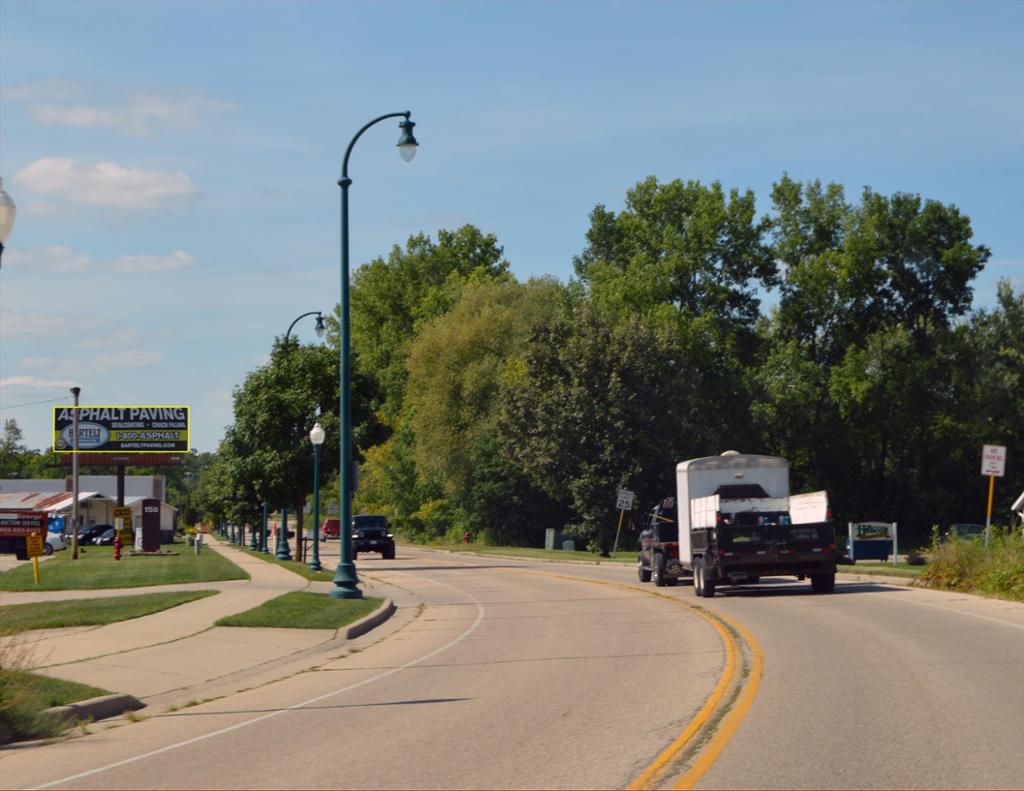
(625,502)
(993,460)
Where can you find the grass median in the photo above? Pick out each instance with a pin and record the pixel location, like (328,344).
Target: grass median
(16,618)
(96,568)
(24,698)
(304,610)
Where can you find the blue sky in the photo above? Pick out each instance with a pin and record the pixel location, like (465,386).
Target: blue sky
(175,163)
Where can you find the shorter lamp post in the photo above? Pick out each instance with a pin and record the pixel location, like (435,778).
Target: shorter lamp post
(316,436)
(284,552)
(263,530)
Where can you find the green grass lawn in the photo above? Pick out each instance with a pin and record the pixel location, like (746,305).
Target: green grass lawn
(96,568)
(301,569)
(303,610)
(24,696)
(90,612)
(877,567)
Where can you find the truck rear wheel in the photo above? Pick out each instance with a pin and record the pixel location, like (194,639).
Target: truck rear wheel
(659,570)
(707,587)
(823,583)
(698,581)
(643,574)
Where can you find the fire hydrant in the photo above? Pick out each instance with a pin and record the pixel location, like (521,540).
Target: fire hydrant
(117,547)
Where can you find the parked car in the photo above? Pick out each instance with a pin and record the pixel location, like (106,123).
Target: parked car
(54,542)
(372,533)
(331,528)
(963,531)
(105,538)
(88,534)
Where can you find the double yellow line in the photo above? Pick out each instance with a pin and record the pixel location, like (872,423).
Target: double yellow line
(711,729)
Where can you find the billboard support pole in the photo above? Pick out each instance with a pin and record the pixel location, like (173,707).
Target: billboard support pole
(75,391)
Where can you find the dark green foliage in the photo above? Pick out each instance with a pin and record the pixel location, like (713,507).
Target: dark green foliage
(487,406)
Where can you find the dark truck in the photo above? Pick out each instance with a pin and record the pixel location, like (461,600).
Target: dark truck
(372,533)
(737,524)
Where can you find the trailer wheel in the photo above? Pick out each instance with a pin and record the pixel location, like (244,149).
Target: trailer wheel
(823,583)
(698,580)
(707,587)
(659,570)
(643,574)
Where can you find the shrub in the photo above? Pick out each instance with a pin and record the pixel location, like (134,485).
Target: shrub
(969,566)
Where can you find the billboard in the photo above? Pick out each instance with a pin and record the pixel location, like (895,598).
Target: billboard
(122,429)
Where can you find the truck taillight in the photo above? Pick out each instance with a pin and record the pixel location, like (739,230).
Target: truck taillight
(828,514)
(718,518)
(673,551)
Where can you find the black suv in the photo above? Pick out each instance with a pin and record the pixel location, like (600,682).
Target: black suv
(371,533)
(659,547)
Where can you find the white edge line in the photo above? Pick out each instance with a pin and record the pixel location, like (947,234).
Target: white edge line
(317,699)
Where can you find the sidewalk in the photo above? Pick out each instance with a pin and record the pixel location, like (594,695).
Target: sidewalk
(177,655)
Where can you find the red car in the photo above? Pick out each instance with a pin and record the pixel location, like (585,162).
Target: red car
(330,528)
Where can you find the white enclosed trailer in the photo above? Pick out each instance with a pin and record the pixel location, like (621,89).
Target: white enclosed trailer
(697,478)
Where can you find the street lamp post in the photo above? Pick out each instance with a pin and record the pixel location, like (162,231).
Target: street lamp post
(263,530)
(316,436)
(284,552)
(7,211)
(346,584)
(320,330)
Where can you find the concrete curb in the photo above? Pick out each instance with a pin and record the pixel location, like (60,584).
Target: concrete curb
(371,621)
(97,708)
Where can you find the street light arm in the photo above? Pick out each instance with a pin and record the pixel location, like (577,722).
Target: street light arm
(292,326)
(345,180)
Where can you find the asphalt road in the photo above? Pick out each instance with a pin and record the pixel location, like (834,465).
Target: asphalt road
(534,675)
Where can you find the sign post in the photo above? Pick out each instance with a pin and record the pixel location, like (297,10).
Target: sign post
(34,548)
(624,503)
(993,464)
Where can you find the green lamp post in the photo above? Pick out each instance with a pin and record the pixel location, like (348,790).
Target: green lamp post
(316,436)
(346,584)
(284,551)
(263,529)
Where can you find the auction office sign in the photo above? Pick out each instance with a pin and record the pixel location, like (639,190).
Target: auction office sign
(122,429)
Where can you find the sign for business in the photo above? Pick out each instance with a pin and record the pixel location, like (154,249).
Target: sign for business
(122,429)
(23,523)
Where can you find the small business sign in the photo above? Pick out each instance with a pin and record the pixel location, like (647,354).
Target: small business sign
(625,501)
(34,545)
(23,523)
(121,429)
(993,460)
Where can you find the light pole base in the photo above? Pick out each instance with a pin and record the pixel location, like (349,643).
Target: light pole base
(346,583)
(284,553)
(315,566)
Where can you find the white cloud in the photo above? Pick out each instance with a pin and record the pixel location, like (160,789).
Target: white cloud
(119,339)
(60,258)
(131,358)
(77,115)
(38,362)
(179,259)
(38,325)
(54,89)
(60,103)
(33,382)
(53,258)
(105,184)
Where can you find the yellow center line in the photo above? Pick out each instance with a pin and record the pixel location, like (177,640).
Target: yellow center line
(734,718)
(730,723)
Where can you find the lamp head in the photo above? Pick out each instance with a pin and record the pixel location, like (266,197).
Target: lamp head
(317,434)
(7,211)
(407,142)
(320,329)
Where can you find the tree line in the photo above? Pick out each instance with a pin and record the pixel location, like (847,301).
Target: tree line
(837,333)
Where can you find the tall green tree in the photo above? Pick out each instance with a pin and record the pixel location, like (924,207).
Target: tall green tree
(391,298)
(592,407)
